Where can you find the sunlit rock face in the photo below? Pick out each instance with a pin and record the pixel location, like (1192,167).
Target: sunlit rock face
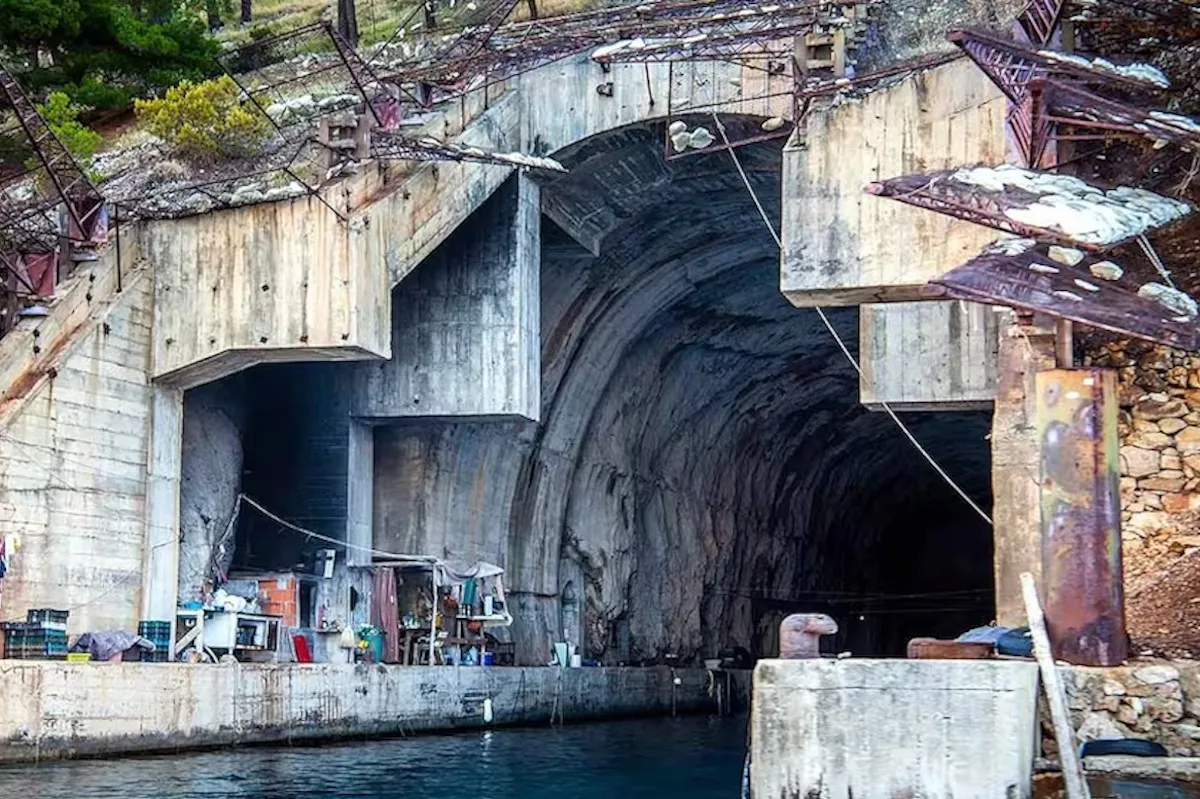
(702,466)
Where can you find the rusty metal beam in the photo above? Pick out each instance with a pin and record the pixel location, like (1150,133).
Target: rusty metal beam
(942,192)
(1081,516)
(1039,19)
(1012,66)
(1034,282)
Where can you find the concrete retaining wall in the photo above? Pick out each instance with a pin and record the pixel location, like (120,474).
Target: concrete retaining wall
(60,710)
(74,446)
(881,729)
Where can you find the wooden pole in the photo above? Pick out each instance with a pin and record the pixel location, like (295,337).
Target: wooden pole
(1064,733)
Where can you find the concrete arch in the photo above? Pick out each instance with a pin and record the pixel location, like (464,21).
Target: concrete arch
(701,459)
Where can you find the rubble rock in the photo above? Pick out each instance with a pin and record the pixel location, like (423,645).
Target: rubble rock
(1156,675)
(1139,462)
(1159,406)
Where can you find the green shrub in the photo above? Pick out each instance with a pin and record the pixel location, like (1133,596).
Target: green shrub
(205,120)
(63,118)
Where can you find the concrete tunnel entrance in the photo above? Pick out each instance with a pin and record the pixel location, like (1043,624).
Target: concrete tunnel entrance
(702,466)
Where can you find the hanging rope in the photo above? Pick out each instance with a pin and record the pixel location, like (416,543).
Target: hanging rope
(837,338)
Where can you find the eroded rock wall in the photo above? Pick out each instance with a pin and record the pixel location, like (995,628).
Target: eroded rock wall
(211,479)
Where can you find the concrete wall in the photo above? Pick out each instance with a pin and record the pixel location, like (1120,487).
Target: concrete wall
(276,281)
(74,450)
(843,247)
(291,281)
(928,355)
(465,325)
(881,729)
(54,710)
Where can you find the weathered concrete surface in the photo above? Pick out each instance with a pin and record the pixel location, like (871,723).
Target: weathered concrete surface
(879,729)
(270,282)
(1024,350)
(701,451)
(74,447)
(465,323)
(844,247)
(290,281)
(57,710)
(928,355)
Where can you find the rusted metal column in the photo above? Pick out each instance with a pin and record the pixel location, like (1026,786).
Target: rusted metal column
(1081,516)
(800,635)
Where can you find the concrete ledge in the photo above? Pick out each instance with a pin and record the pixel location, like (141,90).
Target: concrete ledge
(879,729)
(60,710)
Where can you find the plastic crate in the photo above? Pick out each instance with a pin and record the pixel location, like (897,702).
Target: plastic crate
(57,619)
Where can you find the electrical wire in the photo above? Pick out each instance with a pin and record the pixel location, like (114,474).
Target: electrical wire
(1148,249)
(344,544)
(840,342)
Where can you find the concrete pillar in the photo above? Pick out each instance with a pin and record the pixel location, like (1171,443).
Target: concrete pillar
(360,488)
(466,322)
(880,729)
(161,557)
(1023,351)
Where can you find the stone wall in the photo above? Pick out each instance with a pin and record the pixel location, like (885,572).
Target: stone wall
(1159,391)
(1155,700)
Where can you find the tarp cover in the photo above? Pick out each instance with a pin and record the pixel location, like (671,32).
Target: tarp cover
(103,645)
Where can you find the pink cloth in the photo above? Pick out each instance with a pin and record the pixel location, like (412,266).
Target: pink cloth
(385,613)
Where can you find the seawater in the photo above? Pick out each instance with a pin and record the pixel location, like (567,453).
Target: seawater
(697,757)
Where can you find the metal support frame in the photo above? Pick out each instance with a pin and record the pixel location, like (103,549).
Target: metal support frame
(31,197)
(697,30)
(308,56)
(1034,282)
(938,191)
(395,147)
(1039,20)
(1012,66)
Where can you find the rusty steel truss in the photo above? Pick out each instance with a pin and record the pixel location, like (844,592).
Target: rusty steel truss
(940,191)
(656,31)
(1055,111)
(1012,66)
(395,147)
(1034,282)
(297,77)
(1039,20)
(45,199)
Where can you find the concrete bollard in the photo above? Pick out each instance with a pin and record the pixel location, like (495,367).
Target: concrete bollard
(800,635)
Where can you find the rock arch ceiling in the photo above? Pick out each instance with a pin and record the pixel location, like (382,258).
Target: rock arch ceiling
(702,466)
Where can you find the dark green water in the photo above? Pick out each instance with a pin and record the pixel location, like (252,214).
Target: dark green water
(695,757)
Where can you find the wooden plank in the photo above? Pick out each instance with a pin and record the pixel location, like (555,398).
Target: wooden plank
(1064,733)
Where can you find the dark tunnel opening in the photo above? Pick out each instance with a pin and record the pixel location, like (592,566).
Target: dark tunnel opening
(702,466)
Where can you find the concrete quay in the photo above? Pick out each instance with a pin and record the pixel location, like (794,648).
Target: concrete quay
(60,710)
(882,729)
